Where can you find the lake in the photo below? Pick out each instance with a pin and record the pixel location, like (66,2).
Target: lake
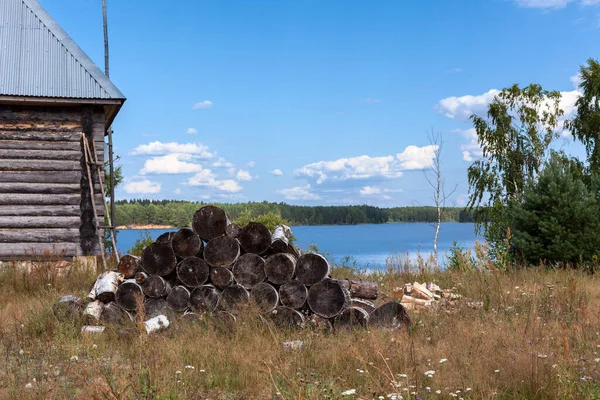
(368,245)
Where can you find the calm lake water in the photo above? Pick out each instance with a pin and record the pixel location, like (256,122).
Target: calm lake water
(368,245)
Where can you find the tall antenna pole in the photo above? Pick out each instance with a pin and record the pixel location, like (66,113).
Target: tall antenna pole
(111,169)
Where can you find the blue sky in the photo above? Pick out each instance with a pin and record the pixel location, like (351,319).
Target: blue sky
(318,102)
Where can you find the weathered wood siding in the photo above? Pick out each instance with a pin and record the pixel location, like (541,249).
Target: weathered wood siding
(45,202)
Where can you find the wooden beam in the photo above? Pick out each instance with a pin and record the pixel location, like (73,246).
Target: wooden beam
(39,145)
(32,251)
(22,222)
(28,235)
(35,154)
(39,165)
(36,199)
(41,211)
(40,188)
(43,135)
(40,176)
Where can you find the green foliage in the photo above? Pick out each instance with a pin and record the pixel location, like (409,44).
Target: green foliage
(515,137)
(141,242)
(118,178)
(270,219)
(557,223)
(180,213)
(586,124)
(459,259)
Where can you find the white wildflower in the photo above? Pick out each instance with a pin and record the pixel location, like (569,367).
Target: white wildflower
(349,392)
(428,388)
(189,367)
(177,372)
(94,346)
(497,371)
(21,352)
(443,360)
(429,373)
(438,391)
(542,355)
(402,375)
(202,370)
(74,358)
(597,359)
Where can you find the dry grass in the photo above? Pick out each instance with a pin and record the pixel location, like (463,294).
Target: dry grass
(536,336)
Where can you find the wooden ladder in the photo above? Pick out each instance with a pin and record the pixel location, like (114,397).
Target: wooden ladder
(91,159)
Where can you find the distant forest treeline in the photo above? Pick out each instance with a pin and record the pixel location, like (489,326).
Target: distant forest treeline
(179,213)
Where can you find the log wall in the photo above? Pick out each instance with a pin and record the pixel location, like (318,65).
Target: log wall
(45,201)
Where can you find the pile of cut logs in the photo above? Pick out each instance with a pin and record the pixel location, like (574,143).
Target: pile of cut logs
(416,296)
(217,267)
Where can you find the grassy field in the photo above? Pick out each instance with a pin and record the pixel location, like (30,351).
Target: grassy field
(537,335)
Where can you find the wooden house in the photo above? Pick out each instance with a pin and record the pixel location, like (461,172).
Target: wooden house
(51,96)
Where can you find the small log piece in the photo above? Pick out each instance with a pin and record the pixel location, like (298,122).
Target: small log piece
(390,315)
(129,265)
(221,277)
(178,299)
(186,243)
(165,238)
(293,294)
(158,259)
(255,238)
(155,307)
(232,296)
(140,277)
(280,268)
(286,317)
(280,239)
(312,268)
(249,270)
(233,230)
(129,294)
(68,308)
(209,222)
(360,288)
(193,272)
(105,287)
(364,304)
(265,296)
(352,317)
(93,311)
(294,250)
(222,251)
(156,324)
(204,298)
(156,287)
(113,314)
(328,298)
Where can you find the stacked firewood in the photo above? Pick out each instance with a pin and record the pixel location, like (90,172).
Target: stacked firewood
(416,296)
(217,267)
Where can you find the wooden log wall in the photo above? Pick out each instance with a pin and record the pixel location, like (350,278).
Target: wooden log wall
(45,202)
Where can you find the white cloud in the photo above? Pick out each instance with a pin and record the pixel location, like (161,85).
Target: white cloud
(276,172)
(203,105)
(543,3)
(159,148)
(192,131)
(414,157)
(221,162)
(144,186)
(369,100)
(250,164)
(299,193)
(575,80)
(178,191)
(369,191)
(207,178)
(243,175)
(365,167)
(461,108)
(170,164)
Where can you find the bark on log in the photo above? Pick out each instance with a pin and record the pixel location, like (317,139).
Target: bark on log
(140,277)
(286,317)
(364,304)
(156,324)
(29,199)
(25,222)
(43,135)
(165,238)
(280,239)
(178,299)
(222,251)
(280,268)
(40,177)
(293,294)
(10,251)
(193,271)
(41,188)
(156,287)
(39,165)
(209,222)
(38,145)
(68,308)
(41,211)
(93,311)
(113,314)
(105,287)
(40,154)
(186,243)
(232,296)
(294,251)
(221,277)
(390,315)
(328,298)
(204,298)
(233,230)
(156,307)
(265,296)
(129,294)
(361,288)
(312,268)
(249,270)
(255,238)
(129,265)
(47,236)
(158,259)
(352,317)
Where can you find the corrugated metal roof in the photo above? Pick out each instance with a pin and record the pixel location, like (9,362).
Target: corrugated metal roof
(38,58)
